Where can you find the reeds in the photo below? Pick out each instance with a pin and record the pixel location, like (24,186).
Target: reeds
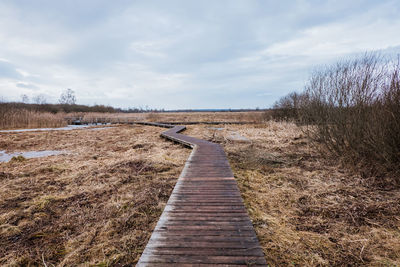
(248,116)
(11,118)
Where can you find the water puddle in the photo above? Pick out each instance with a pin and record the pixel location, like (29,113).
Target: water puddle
(215,128)
(235,136)
(67,128)
(231,135)
(5,157)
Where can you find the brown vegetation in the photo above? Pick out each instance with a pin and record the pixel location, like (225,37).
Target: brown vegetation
(353,109)
(11,118)
(22,118)
(96,205)
(99,204)
(307,209)
(171,117)
(66,107)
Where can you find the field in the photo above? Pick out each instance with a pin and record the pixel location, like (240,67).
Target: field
(95,205)
(254,116)
(98,204)
(14,118)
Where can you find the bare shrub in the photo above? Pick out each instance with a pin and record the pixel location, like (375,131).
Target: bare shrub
(287,107)
(354,109)
(153,117)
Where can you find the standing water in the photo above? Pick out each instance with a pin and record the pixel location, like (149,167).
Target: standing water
(5,157)
(67,128)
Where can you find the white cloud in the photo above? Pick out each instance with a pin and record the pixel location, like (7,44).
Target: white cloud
(363,32)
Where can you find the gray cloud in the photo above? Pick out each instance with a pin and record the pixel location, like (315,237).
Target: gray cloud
(183,54)
(26,85)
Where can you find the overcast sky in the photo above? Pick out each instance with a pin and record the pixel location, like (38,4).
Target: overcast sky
(182,54)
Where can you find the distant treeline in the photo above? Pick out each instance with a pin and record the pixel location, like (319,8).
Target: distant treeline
(68,108)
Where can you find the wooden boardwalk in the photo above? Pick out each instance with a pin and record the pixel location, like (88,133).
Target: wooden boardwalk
(204,222)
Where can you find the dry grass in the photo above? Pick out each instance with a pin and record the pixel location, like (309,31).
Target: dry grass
(255,116)
(98,205)
(308,210)
(22,118)
(95,206)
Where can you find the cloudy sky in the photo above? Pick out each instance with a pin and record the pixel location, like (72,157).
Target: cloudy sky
(182,54)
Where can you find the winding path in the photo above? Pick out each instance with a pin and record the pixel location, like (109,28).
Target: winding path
(204,222)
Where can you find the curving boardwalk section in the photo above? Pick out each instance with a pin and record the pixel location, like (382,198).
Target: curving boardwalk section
(204,222)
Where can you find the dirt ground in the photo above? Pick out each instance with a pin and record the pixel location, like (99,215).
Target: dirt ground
(306,209)
(96,205)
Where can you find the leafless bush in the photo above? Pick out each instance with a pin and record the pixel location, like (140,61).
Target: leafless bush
(354,109)
(152,116)
(287,107)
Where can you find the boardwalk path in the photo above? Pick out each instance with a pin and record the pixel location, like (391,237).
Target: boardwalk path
(204,221)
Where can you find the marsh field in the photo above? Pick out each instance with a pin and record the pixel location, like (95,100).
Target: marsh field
(97,203)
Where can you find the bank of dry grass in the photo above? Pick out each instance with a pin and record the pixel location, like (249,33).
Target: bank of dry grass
(248,116)
(22,118)
(96,205)
(308,210)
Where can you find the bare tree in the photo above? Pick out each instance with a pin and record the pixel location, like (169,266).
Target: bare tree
(39,99)
(24,98)
(67,97)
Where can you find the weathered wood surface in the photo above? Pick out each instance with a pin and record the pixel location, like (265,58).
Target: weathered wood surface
(204,222)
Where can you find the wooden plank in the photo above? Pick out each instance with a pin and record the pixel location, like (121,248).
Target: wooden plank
(227,233)
(201,244)
(206,238)
(196,259)
(207,251)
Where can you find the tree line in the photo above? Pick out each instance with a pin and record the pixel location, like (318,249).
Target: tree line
(66,104)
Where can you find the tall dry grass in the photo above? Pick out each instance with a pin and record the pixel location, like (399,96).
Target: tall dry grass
(22,118)
(248,116)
